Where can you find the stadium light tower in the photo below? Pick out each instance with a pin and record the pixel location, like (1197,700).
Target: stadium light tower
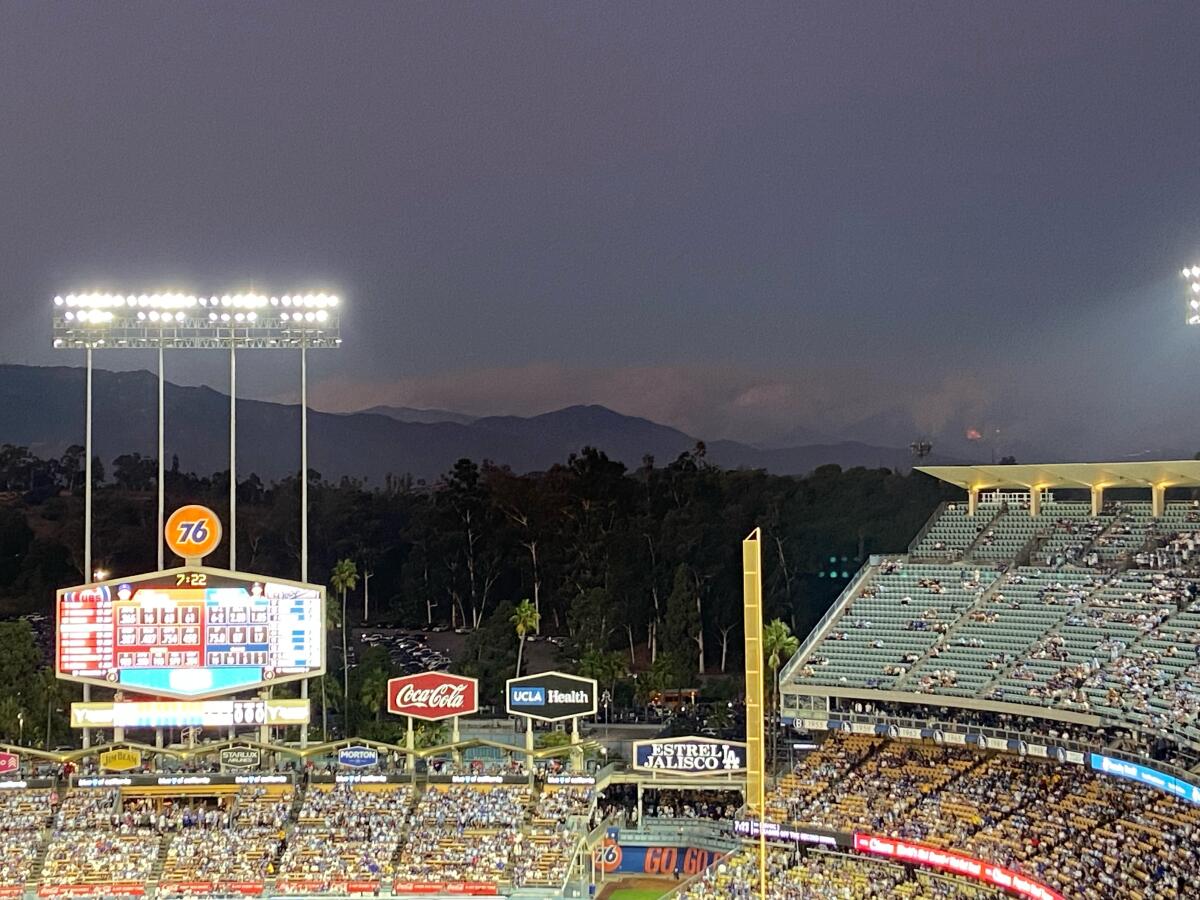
(178,321)
(1192,277)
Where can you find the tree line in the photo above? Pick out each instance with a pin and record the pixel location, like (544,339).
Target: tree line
(633,570)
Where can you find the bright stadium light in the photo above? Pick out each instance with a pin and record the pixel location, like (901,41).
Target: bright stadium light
(1192,276)
(174,320)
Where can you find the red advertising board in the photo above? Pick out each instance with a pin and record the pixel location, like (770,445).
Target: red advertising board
(11,890)
(123,889)
(9,762)
(433,695)
(957,863)
(471,888)
(245,888)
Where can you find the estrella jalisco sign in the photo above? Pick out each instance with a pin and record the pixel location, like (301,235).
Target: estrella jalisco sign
(690,756)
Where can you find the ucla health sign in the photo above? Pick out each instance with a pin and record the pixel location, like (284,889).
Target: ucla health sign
(1144,775)
(550,696)
(690,755)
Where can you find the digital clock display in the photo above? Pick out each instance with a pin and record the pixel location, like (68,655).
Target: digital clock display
(191,633)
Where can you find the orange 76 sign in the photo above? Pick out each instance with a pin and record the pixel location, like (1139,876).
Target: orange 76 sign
(193,531)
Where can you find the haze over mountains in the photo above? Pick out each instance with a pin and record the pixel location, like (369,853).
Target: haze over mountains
(43,407)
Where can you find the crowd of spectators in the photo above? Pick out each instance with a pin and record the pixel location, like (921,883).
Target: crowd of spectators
(346,833)
(461,832)
(97,841)
(241,846)
(825,876)
(1083,833)
(23,814)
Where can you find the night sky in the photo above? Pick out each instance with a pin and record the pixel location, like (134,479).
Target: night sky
(774,223)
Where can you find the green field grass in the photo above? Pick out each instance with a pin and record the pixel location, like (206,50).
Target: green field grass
(636,894)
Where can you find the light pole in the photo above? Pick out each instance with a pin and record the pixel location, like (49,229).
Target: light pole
(177,321)
(366,593)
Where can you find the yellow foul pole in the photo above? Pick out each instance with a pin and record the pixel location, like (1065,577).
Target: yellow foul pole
(755,762)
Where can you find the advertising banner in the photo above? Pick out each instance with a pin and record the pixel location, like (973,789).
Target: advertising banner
(570,779)
(683,861)
(9,762)
(776,832)
(190,713)
(550,696)
(245,888)
(120,760)
(197,780)
(690,756)
(123,889)
(467,888)
(241,757)
(431,696)
(358,757)
(956,863)
(1177,787)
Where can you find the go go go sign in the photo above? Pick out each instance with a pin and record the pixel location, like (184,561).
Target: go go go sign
(193,532)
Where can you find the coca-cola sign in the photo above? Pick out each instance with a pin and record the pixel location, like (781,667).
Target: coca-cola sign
(433,695)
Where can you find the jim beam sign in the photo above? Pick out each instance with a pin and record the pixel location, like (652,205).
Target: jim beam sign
(121,760)
(431,696)
(690,756)
(550,696)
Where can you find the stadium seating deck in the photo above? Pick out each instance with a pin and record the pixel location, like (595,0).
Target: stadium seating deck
(1086,834)
(1110,641)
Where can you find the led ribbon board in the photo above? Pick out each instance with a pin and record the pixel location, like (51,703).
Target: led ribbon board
(190,633)
(190,713)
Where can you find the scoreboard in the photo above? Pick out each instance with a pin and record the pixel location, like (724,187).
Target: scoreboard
(190,633)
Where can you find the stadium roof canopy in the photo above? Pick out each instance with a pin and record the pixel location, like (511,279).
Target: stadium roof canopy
(1177,473)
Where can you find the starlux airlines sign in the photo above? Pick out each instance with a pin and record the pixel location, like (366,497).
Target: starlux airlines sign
(690,756)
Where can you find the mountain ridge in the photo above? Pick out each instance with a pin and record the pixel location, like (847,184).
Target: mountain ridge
(42,407)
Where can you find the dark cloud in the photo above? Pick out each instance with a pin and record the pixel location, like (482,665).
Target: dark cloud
(755,220)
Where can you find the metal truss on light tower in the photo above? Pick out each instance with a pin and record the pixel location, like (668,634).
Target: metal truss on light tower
(187,321)
(1192,276)
(177,321)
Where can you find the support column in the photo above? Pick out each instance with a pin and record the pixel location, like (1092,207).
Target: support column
(303,462)
(304,507)
(304,726)
(410,745)
(88,573)
(264,730)
(454,739)
(1035,501)
(529,746)
(1097,499)
(1158,500)
(576,752)
(161,462)
(972,500)
(233,453)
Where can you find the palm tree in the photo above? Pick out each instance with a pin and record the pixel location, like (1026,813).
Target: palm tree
(525,619)
(374,692)
(779,645)
(344,579)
